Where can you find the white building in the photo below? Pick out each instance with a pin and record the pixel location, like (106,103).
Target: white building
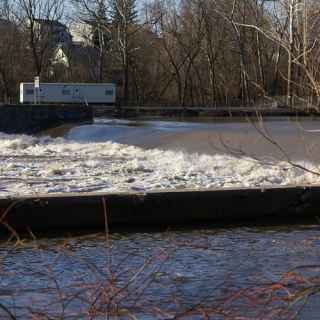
(81,33)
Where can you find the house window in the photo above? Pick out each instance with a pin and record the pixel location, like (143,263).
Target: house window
(29,92)
(109,92)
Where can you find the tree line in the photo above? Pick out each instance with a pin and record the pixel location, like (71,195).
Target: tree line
(170,52)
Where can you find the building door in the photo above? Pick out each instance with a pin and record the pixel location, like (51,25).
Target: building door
(76,94)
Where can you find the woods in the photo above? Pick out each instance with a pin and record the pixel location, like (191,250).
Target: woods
(165,52)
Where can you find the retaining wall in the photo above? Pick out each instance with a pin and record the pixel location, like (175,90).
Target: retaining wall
(34,118)
(219,112)
(81,211)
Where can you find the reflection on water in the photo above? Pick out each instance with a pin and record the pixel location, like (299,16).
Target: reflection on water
(171,271)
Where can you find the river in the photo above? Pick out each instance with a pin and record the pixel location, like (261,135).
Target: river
(266,271)
(298,137)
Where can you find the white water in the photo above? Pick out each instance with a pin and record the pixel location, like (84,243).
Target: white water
(34,165)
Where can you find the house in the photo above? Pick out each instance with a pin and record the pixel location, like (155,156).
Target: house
(61,55)
(54,31)
(77,59)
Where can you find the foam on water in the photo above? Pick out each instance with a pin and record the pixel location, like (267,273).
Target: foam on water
(33,165)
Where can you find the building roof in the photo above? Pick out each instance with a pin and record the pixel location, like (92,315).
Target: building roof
(50,22)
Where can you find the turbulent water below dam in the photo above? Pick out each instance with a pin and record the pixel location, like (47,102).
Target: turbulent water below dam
(234,272)
(121,155)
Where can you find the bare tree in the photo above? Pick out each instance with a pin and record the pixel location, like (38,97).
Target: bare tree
(38,18)
(124,27)
(93,15)
(289,28)
(12,59)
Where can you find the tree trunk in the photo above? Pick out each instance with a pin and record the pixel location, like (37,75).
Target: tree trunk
(290,52)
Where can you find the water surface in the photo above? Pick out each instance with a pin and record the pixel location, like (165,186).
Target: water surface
(173,271)
(297,138)
(253,271)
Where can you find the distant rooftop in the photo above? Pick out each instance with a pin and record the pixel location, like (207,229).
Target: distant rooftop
(51,22)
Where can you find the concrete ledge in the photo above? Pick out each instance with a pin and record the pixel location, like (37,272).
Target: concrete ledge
(81,211)
(34,118)
(219,112)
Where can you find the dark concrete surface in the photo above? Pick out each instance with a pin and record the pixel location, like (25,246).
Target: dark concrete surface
(240,111)
(81,211)
(34,118)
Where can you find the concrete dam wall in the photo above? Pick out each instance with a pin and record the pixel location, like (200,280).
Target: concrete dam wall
(53,212)
(30,119)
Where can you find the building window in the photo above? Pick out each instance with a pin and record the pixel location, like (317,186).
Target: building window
(109,92)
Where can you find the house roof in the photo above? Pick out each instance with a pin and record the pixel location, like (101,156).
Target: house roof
(50,22)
